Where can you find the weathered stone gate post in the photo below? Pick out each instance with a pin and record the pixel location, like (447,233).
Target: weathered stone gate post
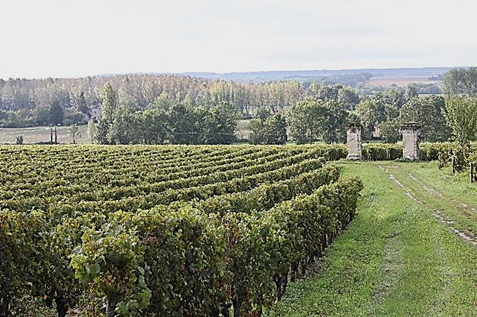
(353,140)
(410,140)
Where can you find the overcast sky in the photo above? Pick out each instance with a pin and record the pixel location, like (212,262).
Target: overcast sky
(65,38)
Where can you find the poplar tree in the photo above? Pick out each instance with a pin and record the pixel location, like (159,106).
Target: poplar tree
(108,111)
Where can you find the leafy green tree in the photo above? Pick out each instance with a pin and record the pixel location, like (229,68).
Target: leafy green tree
(461,116)
(334,130)
(389,130)
(378,108)
(305,119)
(411,92)
(313,119)
(325,92)
(124,127)
(428,113)
(73,116)
(102,132)
(154,126)
(257,132)
(460,81)
(108,111)
(92,131)
(220,124)
(371,113)
(55,113)
(110,103)
(74,132)
(273,130)
(183,124)
(81,104)
(393,97)
(276,130)
(163,101)
(42,116)
(348,98)
(262,114)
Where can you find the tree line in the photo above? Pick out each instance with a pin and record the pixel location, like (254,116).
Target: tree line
(25,102)
(154,109)
(163,122)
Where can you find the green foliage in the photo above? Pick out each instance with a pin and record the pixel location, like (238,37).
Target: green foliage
(344,95)
(110,103)
(389,131)
(19,139)
(428,113)
(263,114)
(67,239)
(411,92)
(460,81)
(379,108)
(81,104)
(92,131)
(124,127)
(219,124)
(461,116)
(55,113)
(183,124)
(153,126)
(381,152)
(312,120)
(270,130)
(108,112)
(373,112)
(74,131)
(108,262)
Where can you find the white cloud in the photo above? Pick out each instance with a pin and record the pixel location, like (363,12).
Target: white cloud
(63,38)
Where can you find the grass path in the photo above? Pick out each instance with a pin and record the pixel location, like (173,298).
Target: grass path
(399,257)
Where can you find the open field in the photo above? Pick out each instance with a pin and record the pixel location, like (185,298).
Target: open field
(42,134)
(409,252)
(243,129)
(400,81)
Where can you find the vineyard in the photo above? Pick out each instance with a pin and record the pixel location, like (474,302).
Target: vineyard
(165,230)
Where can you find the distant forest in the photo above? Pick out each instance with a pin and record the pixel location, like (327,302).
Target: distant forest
(36,102)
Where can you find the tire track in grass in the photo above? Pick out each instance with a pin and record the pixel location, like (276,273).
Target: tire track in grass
(439,215)
(442,217)
(438,194)
(428,199)
(392,270)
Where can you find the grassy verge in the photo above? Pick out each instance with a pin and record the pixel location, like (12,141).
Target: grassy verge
(395,259)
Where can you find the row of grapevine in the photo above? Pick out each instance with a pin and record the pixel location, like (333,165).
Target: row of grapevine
(166,236)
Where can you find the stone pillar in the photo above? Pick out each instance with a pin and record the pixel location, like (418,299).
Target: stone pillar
(410,140)
(353,140)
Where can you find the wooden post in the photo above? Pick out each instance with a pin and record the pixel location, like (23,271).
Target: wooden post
(471,172)
(453,164)
(51,135)
(56,136)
